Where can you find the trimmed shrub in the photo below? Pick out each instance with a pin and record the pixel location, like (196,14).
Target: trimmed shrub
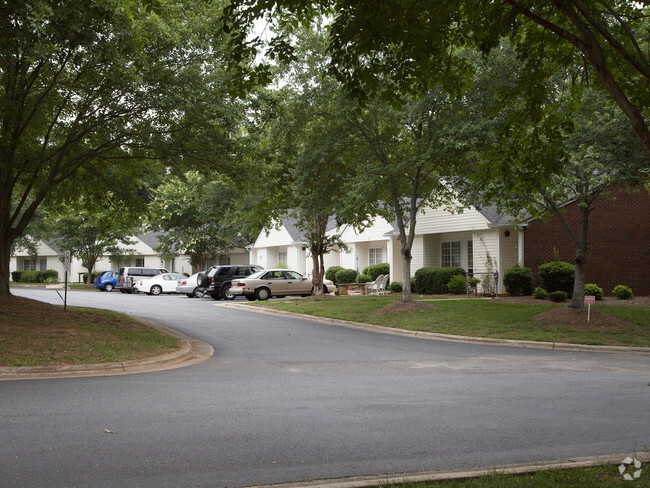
(474,282)
(557,276)
(433,281)
(396,287)
(364,278)
(519,281)
(622,292)
(540,294)
(595,290)
(413,290)
(15,276)
(346,276)
(48,276)
(330,274)
(557,296)
(29,276)
(377,269)
(457,285)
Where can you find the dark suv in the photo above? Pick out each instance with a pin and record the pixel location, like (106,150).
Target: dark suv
(217,279)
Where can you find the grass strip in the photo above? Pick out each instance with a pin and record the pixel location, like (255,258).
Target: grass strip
(596,477)
(79,336)
(481,318)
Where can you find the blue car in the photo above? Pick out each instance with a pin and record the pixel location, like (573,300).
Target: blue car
(107,281)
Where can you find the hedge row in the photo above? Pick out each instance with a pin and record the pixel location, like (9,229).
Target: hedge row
(30,276)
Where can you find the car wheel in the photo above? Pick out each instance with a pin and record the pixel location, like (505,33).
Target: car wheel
(225,293)
(193,294)
(325,289)
(263,293)
(122,291)
(108,287)
(250,298)
(155,290)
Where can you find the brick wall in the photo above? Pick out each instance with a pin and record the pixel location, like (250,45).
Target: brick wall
(618,244)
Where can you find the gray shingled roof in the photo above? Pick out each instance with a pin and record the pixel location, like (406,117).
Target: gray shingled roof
(491,213)
(150,238)
(296,234)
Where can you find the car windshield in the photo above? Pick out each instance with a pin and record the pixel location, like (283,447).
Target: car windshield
(254,276)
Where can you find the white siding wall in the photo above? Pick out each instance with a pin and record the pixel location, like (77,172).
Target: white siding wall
(485,243)
(275,237)
(436,221)
(376,232)
(509,251)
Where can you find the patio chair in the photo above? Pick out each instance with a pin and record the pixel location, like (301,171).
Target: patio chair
(372,288)
(381,288)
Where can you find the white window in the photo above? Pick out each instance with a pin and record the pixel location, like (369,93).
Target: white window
(470,256)
(29,265)
(450,254)
(139,262)
(375,256)
(282,258)
(224,260)
(43,264)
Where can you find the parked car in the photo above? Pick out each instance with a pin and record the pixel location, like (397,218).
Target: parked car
(129,275)
(162,283)
(190,287)
(106,281)
(272,282)
(217,280)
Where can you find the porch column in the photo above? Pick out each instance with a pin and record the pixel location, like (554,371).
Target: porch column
(389,251)
(520,246)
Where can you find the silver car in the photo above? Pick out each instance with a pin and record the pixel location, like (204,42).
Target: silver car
(189,286)
(272,282)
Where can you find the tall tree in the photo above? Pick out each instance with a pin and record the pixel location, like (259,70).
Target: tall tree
(309,161)
(86,86)
(91,230)
(579,132)
(411,155)
(197,217)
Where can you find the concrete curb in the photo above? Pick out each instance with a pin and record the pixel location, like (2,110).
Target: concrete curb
(396,479)
(443,337)
(193,351)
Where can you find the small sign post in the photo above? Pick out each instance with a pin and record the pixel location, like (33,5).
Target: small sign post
(65,289)
(589,299)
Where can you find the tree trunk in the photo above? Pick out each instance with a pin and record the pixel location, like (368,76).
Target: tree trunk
(578,299)
(406,274)
(317,273)
(5,257)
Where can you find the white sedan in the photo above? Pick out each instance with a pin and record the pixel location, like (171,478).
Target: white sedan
(162,283)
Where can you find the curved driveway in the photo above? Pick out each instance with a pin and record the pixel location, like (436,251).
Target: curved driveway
(286,400)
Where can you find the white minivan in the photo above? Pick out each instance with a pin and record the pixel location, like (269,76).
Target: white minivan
(127,276)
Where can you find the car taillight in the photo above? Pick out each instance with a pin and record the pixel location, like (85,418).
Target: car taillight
(184,282)
(212,281)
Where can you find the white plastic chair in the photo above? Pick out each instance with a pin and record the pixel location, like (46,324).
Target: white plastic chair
(372,288)
(381,289)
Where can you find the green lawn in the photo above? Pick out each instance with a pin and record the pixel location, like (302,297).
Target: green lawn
(597,477)
(479,318)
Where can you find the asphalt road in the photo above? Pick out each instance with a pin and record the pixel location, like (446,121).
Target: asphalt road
(285,400)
